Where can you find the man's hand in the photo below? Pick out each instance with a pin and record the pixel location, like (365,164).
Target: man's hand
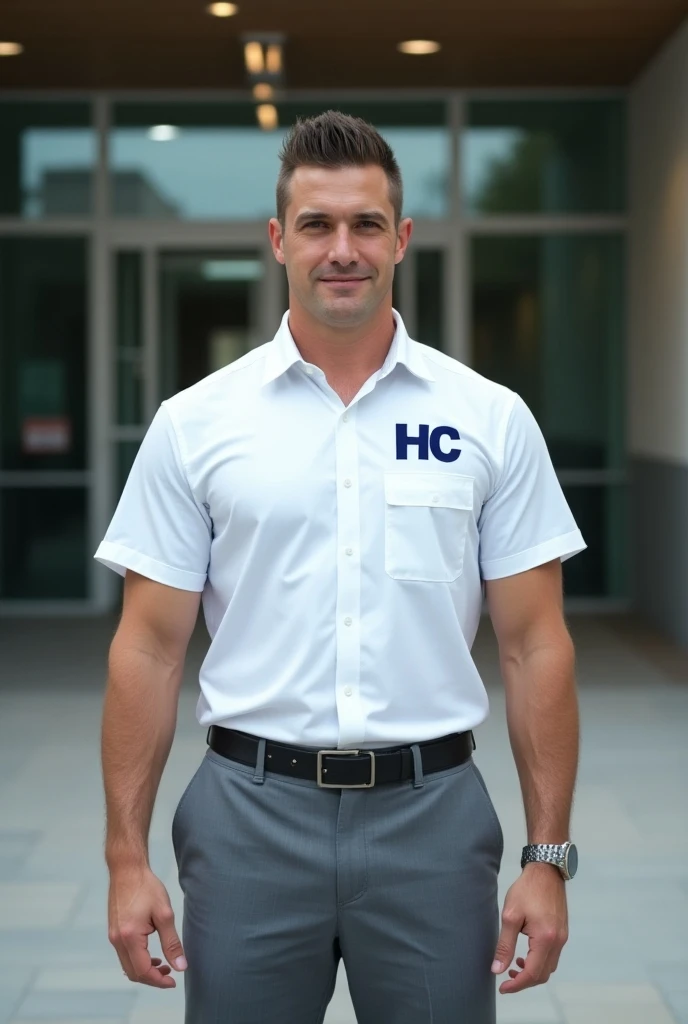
(139,905)
(535,905)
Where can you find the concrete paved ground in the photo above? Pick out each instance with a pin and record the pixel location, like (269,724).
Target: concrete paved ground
(626,961)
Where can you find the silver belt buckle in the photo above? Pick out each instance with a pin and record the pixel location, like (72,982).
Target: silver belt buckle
(355,785)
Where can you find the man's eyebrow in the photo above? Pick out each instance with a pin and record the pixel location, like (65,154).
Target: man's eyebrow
(311,215)
(321,215)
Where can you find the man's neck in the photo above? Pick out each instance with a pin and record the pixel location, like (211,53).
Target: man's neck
(343,355)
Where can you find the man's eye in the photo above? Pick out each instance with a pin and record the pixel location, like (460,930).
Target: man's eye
(369,223)
(314,224)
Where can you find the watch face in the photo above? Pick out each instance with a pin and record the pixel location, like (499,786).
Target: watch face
(572,860)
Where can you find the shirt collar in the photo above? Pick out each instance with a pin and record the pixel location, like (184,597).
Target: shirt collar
(283,353)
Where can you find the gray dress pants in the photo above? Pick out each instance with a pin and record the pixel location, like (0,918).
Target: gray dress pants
(282,878)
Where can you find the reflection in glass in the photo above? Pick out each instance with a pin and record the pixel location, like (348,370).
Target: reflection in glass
(550,156)
(43,543)
(47,157)
(129,369)
(548,323)
(601,516)
(221,164)
(126,452)
(430,297)
(43,353)
(209,313)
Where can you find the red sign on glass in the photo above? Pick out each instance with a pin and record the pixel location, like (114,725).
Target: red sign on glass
(46,435)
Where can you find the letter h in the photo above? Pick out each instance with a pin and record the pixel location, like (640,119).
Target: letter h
(403,440)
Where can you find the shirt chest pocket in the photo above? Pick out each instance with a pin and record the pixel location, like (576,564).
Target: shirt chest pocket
(426,522)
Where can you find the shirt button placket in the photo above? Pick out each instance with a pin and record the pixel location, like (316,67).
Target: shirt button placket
(348,631)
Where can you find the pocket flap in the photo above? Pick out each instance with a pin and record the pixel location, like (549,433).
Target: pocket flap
(437,490)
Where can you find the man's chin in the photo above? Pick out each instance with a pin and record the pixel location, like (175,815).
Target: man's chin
(344,311)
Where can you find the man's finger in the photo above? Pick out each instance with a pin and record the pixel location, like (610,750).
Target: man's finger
(169,939)
(534,972)
(506,944)
(142,967)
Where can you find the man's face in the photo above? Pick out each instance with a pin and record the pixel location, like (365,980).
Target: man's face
(340,244)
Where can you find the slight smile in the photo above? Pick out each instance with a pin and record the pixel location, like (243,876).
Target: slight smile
(343,280)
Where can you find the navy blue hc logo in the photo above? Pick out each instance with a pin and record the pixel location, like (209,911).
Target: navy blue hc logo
(427,442)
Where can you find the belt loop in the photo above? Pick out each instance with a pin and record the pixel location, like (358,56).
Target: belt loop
(418,780)
(473,739)
(207,737)
(259,775)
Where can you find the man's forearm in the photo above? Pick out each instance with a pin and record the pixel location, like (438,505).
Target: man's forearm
(543,721)
(139,720)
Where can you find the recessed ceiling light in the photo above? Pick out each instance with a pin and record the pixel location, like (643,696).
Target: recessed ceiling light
(273,59)
(163,132)
(11,49)
(419,46)
(253,55)
(222,10)
(267,116)
(263,91)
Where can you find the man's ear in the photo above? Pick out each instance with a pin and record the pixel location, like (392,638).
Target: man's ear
(276,233)
(404,232)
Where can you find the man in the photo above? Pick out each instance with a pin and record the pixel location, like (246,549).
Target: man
(338,495)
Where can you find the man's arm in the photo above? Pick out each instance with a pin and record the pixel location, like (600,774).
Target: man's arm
(139,719)
(140,709)
(537,661)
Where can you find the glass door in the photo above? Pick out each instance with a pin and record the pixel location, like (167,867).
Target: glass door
(182,311)
(209,315)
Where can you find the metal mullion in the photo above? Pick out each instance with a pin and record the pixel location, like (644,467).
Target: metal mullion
(22,608)
(456,281)
(83,226)
(431,234)
(54,478)
(534,224)
(592,477)
(100,395)
(127,433)
(557,92)
(272,305)
(407,291)
(372,95)
(151,332)
(187,234)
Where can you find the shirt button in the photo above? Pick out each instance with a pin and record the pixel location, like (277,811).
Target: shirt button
(349,551)
(348,691)
(435,498)
(345,417)
(347,482)
(309,371)
(347,620)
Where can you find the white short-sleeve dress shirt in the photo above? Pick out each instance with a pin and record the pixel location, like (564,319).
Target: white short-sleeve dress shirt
(341,549)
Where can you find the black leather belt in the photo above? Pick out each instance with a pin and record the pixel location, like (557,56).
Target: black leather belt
(343,769)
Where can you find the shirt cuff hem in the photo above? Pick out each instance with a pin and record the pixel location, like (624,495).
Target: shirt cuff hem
(563,547)
(120,558)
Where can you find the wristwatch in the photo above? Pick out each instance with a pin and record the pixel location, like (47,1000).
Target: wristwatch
(563,856)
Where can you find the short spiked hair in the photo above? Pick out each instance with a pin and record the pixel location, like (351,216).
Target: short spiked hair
(334,139)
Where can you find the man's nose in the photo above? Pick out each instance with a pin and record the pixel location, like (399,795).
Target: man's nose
(343,250)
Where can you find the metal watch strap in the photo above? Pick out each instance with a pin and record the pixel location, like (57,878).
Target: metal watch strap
(547,853)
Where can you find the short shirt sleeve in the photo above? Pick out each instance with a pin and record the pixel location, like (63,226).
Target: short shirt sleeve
(526,521)
(159,529)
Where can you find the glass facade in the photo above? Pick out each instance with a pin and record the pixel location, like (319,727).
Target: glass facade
(43,414)
(44,543)
(547,316)
(208,307)
(544,156)
(189,285)
(219,164)
(47,159)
